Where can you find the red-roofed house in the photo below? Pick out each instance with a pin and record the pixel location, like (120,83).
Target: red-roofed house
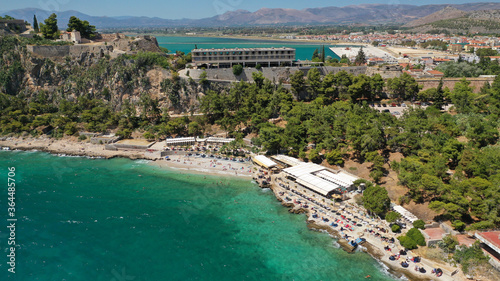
(374,61)
(435,73)
(491,245)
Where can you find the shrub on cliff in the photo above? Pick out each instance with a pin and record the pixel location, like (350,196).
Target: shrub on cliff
(149,59)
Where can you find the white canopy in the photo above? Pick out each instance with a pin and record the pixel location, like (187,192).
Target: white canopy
(319,185)
(219,140)
(180,140)
(264,161)
(405,213)
(290,161)
(315,177)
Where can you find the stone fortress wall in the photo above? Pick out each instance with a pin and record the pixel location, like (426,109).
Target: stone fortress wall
(116,46)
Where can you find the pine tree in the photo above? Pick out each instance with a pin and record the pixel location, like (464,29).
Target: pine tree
(49,28)
(360,57)
(35,24)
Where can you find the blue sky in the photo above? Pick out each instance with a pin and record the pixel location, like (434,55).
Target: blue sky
(192,8)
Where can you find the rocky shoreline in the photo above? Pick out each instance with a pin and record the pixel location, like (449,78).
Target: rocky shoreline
(376,251)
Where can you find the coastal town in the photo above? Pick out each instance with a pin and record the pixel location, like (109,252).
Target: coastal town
(390,145)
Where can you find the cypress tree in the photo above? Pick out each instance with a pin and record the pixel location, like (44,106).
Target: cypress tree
(360,57)
(35,24)
(439,99)
(323,53)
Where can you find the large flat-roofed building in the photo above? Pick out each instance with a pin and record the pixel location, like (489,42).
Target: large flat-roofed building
(245,57)
(317,178)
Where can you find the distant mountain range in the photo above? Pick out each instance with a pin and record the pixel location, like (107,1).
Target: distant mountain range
(363,14)
(457,21)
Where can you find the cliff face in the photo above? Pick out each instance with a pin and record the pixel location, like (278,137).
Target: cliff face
(100,72)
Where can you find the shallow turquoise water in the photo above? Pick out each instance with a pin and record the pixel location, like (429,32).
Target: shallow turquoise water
(186,44)
(84,219)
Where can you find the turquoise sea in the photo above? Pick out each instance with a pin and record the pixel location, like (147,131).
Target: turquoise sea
(304,51)
(117,220)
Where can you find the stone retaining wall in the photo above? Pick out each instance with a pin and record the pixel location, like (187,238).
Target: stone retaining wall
(274,74)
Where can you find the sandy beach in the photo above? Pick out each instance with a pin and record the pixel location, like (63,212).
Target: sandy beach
(210,166)
(73,147)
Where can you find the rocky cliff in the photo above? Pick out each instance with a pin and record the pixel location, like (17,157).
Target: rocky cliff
(95,71)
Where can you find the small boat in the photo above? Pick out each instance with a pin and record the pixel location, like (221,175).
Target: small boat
(5,148)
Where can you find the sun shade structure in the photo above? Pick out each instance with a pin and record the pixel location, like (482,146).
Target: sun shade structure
(318,178)
(219,140)
(263,161)
(180,141)
(318,185)
(287,160)
(405,213)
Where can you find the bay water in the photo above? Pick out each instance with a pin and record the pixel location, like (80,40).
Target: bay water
(119,219)
(304,50)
